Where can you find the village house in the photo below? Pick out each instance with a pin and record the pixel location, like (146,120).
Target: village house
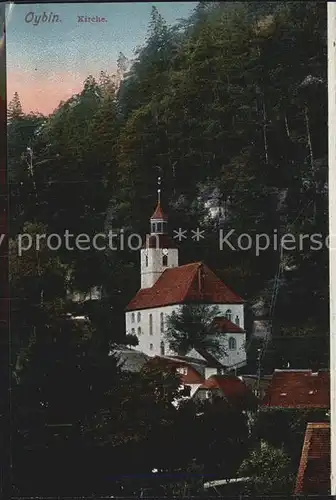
(166,286)
(306,390)
(298,389)
(313,477)
(203,381)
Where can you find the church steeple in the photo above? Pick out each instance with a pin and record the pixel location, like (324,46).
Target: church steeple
(159,220)
(159,251)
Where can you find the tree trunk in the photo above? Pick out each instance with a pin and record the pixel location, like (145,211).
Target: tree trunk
(264,129)
(287,127)
(311,157)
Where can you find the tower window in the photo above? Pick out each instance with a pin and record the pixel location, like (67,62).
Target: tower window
(151,324)
(228,314)
(160,227)
(237,320)
(150,347)
(232,344)
(139,317)
(146,260)
(133,331)
(162,348)
(165,260)
(139,330)
(161,322)
(133,317)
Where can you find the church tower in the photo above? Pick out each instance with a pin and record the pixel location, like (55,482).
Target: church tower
(159,251)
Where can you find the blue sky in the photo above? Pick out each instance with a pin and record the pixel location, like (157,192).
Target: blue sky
(49,61)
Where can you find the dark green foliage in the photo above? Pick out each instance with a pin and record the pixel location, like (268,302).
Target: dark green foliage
(191,328)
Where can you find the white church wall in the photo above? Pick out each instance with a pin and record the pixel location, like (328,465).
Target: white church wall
(151,262)
(236,310)
(150,337)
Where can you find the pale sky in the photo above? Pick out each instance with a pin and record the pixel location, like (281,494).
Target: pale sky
(48,62)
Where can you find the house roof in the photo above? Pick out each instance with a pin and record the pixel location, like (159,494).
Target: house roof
(224,325)
(193,375)
(129,359)
(191,283)
(298,389)
(235,391)
(210,359)
(314,469)
(159,214)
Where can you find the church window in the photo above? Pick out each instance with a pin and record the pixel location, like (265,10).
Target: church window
(133,317)
(228,314)
(162,348)
(139,330)
(237,320)
(151,324)
(161,322)
(139,317)
(232,344)
(165,260)
(150,347)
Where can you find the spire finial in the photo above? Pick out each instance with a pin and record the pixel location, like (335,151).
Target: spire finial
(159,190)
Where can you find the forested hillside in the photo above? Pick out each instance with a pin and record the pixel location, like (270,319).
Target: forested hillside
(232,99)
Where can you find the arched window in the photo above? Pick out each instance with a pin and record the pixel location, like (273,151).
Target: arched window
(139,317)
(162,348)
(228,314)
(133,331)
(237,320)
(232,344)
(151,324)
(165,260)
(150,347)
(139,330)
(146,260)
(133,317)
(161,322)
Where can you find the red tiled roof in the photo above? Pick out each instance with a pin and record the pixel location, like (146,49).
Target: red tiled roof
(298,389)
(224,325)
(314,470)
(159,213)
(191,377)
(235,391)
(192,283)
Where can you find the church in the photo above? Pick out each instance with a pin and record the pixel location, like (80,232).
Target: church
(166,286)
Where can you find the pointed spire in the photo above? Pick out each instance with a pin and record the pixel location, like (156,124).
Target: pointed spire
(159,190)
(159,214)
